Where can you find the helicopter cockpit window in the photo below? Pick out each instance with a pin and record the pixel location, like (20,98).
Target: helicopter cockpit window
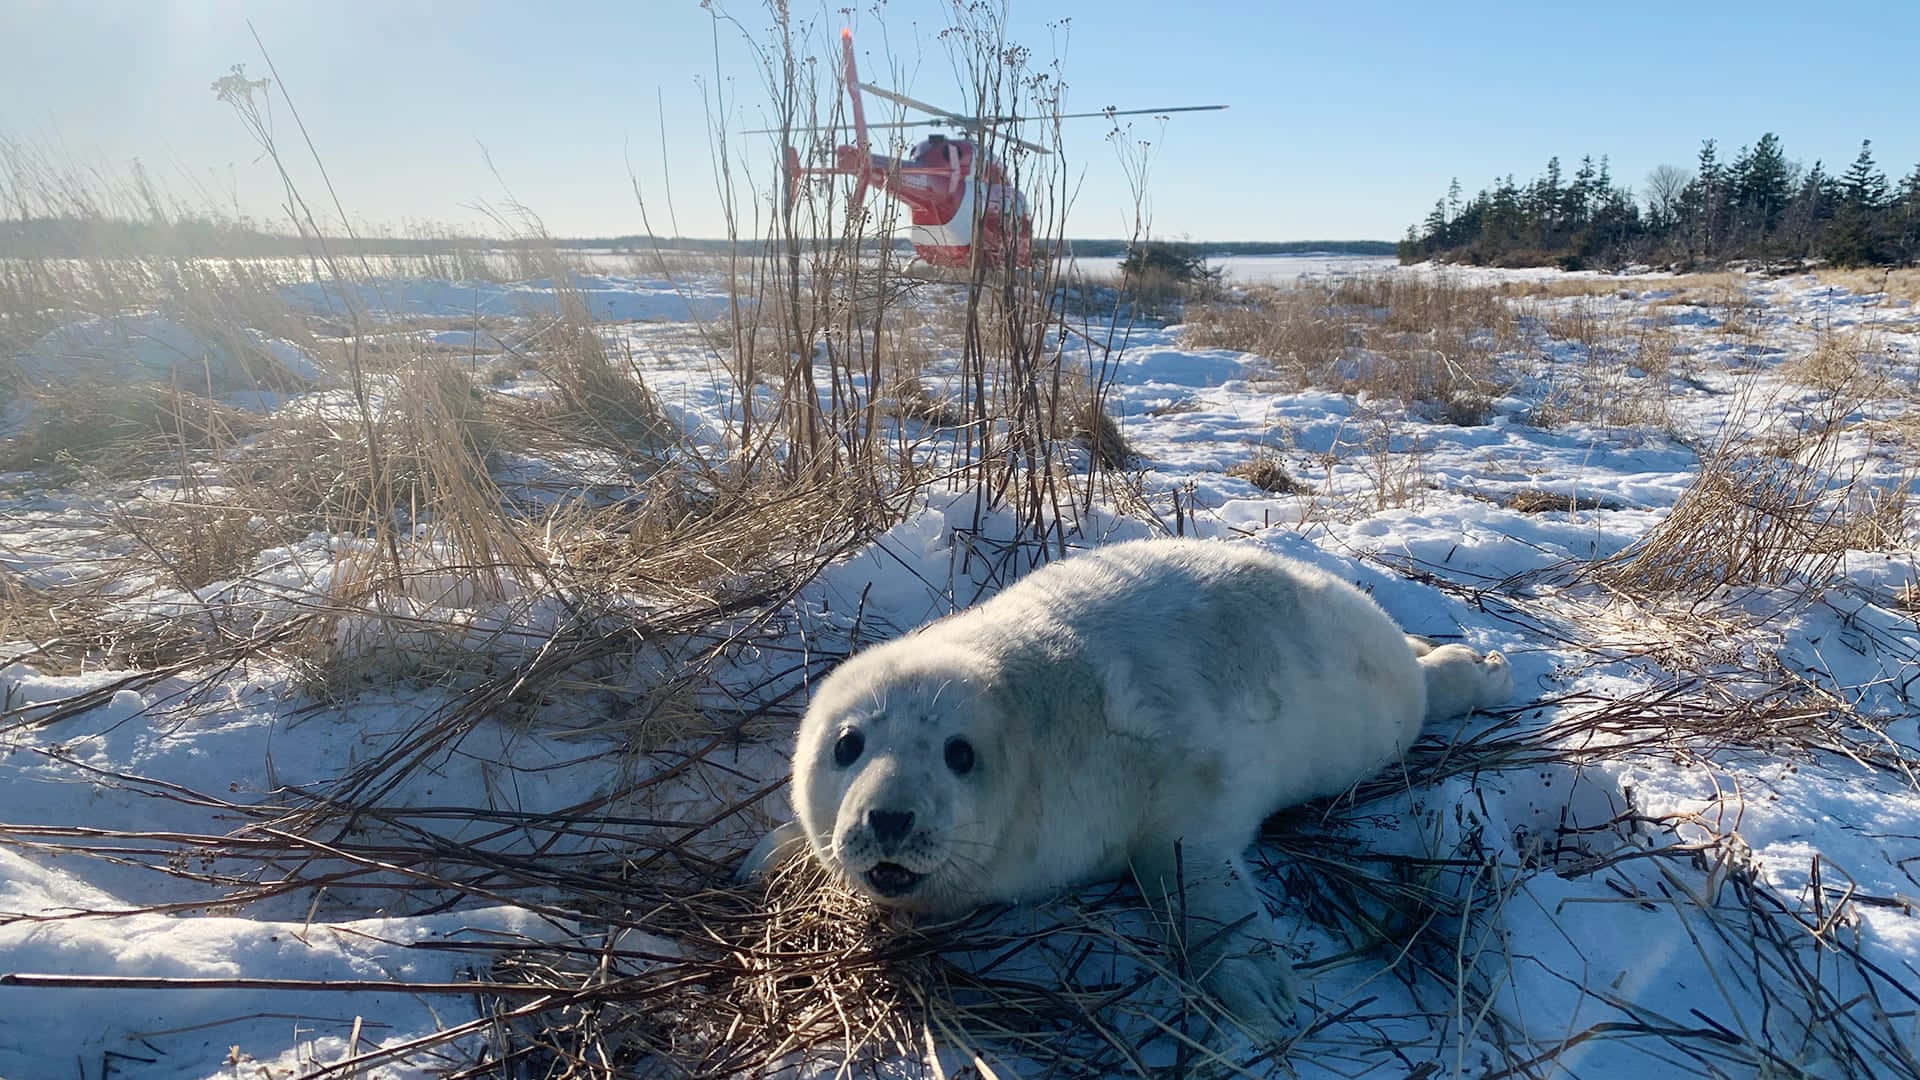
(932,152)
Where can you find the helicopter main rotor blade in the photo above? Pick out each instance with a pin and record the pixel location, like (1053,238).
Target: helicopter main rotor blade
(1021,143)
(1106,112)
(971,123)
(911,103)
(1002,136)
(843,127)
(998,121)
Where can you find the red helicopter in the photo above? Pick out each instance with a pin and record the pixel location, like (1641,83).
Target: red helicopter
(959,196)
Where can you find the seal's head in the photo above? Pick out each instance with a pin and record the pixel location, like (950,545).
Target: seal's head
(898,777)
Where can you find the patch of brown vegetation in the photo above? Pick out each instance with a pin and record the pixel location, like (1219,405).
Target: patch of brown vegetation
(1426,341)
(1092,426)
(1728,296)
(1847,364)
(1764,515)
(118,427)
(1265,472)
(1900,284)
(1540,501)
(1622,380)
(1559,288)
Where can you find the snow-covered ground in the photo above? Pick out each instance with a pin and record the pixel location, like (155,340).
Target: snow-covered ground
(1605,891)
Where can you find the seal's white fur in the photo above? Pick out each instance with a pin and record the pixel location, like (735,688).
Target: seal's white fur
(1141,708)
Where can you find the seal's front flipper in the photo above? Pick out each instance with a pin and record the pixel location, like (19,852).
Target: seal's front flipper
(1214,914)
(773,850)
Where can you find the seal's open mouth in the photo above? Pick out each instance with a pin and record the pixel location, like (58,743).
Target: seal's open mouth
(892,879)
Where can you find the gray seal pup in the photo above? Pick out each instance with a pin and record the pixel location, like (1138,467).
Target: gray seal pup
(1137,710)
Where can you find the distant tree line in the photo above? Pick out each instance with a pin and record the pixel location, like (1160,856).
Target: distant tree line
(93,236)
(197,237)
(200,237)
(1759,206)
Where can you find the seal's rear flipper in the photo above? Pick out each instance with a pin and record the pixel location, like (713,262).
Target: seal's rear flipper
(773,850)
(1460,680)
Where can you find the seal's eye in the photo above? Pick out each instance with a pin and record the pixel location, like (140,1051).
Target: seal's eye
(847,750)
(960,756)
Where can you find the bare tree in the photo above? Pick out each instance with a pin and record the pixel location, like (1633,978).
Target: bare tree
(1664,185)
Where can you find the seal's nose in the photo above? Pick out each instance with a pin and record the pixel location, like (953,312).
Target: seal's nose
(889,826)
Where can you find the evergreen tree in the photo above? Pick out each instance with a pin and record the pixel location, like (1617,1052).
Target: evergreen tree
(1503,229)
(1704,205)
(1905,226)
(1546,201)
(1579,195)
(1857,236)
(1738,221)
(1764,185)
(1411,248)
(1865,185)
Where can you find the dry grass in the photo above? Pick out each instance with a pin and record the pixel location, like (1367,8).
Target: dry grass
(1695,288)
(1086,421)
(1895,284)
(60,629)
(400,469)
(197,539)
(1622,376)
(915,343)
(1429,342)
(1292,329)
(693,543)
(1847,364)
(1759,514)
(228,303)
(1392,462)
(603,393)
(1540,501)
(1266,472)
(1727,296)
(1559,288)
(1702,289)
(118,429)
(911,400)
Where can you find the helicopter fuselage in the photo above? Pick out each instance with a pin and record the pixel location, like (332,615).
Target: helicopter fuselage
(949,187)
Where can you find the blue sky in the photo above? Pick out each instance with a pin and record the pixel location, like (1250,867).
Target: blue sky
(1347,120)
